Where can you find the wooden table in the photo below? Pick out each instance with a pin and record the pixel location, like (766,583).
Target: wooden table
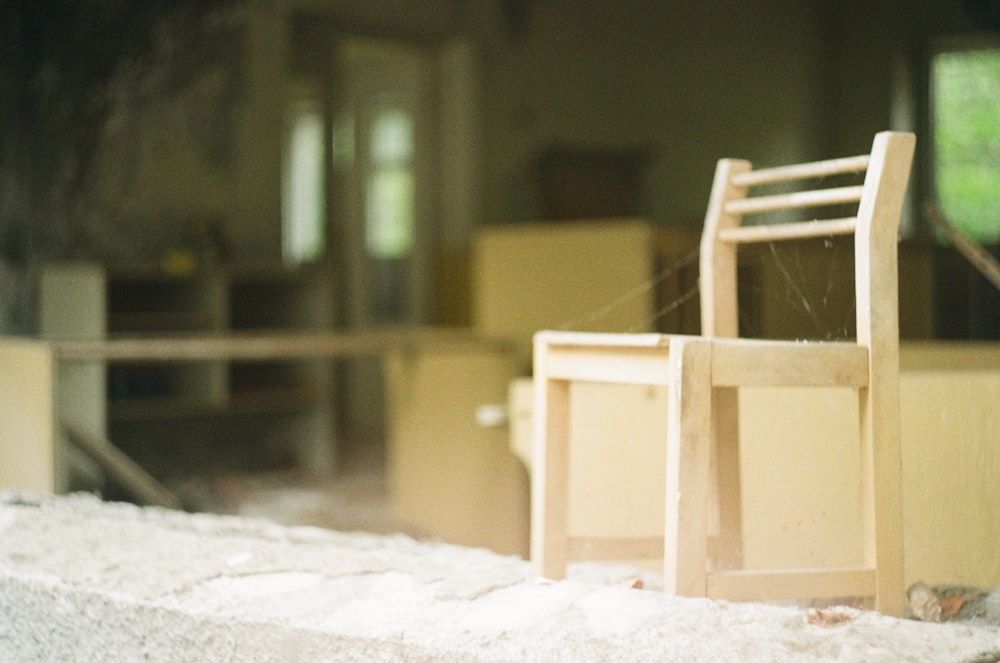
(37,410)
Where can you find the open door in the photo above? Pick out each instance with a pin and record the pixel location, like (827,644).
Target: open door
(378,197)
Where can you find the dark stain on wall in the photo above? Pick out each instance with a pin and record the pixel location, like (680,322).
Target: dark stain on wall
(72,74)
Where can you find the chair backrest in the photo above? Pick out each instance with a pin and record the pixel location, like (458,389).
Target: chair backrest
(874,226)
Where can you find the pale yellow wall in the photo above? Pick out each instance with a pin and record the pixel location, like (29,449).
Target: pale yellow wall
(566,275)
(951,476)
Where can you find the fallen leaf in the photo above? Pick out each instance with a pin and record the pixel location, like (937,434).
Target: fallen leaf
(950,605)
(827,617)
(630,583)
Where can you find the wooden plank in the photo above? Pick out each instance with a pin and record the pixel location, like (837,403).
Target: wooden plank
(802,171)
(617,442)
(129,473)
(747,362)
(801,487)
(792,584)
(785,231)
(597,339)
(621,365)
(797,200)
(28,436)
(977,256)
(270,346)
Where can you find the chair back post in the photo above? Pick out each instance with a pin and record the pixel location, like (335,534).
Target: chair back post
(717,260)
(877,302)
(876,239)
(720,318)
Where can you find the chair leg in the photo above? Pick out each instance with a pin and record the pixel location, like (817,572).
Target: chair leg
(881,500)
(550,478)
(685,544)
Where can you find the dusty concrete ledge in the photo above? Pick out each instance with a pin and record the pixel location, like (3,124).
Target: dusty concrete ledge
(82,580)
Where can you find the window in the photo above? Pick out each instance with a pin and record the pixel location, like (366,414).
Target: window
(389,206)
(965,99)
(303,182)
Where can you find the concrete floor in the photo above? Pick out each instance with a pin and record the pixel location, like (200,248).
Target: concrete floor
(83,580)
(354,498)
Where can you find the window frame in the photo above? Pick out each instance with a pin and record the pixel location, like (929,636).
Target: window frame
(935,47)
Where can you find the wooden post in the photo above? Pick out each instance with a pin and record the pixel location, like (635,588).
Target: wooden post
(28,433)
(142,484)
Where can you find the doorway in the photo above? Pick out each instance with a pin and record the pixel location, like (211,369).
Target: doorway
(390,186)
(382,191)
(383,187)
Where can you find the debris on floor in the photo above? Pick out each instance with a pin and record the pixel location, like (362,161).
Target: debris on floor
(85,580)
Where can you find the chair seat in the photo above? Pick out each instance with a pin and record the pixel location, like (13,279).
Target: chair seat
(736,362)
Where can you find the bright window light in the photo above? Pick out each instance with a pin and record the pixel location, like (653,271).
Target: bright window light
(389,207)
(966,126)
(303,203)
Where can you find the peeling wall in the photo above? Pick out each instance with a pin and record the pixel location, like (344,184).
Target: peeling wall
(117,122)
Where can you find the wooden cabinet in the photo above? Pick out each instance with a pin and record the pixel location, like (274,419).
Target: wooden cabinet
(181,417)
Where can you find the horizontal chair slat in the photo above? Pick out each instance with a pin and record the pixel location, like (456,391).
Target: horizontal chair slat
(797,200)
(780,231)
(750,363)
(783,585)
(802,171)
(621,365)
(264,346)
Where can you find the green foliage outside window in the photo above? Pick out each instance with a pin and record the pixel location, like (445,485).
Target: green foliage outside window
(966,94)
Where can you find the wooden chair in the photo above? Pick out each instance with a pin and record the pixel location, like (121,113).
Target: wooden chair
(701,547)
